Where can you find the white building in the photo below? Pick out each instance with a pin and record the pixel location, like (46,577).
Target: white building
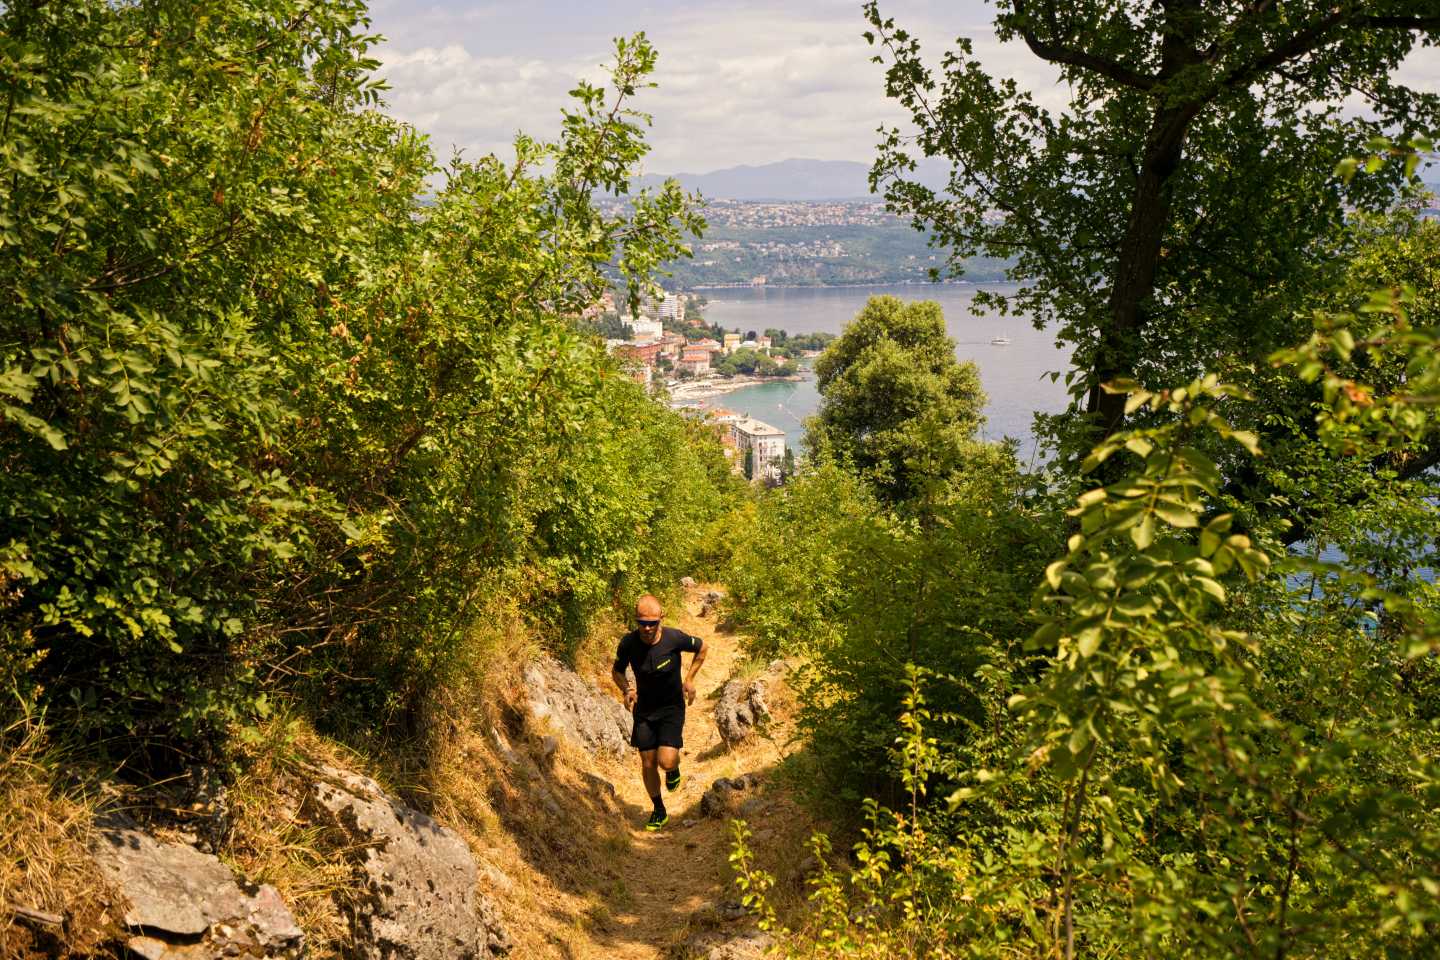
(765,443)
(672,308)
(642,328)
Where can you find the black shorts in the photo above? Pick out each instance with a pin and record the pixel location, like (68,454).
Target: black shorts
(659,728)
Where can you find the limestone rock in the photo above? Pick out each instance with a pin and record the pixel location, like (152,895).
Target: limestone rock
(576,708)
(723,797)
(420,877)
(743,705)
(718,945)
(187,905)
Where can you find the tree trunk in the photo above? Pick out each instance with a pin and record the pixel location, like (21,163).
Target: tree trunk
(1133,282)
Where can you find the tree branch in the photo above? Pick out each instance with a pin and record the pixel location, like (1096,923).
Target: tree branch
(1058,53)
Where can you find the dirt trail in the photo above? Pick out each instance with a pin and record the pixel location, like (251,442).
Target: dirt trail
(669,876)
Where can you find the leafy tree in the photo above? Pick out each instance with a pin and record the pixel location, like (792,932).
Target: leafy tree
(1209,745)
(752,362)
(1166,219)
(895,402)
(274,406)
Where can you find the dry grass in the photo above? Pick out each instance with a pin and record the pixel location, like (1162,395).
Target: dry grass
(556,848)
(272,841)
(45,828)
(545,838)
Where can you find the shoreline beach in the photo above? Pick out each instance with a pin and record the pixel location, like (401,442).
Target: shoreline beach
(691,392)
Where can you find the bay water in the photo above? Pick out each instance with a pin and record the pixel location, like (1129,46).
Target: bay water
(1015,375)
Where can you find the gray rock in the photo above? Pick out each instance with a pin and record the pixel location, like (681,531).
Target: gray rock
(724,796)
(576,708)
(720,800)
(420,877)
(687,582)
(187,905)
(720,945)
(743,705)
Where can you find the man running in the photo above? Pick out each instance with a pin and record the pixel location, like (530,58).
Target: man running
(658,698)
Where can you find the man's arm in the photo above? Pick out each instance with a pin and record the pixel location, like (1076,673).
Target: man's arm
(623,683)
(696,662)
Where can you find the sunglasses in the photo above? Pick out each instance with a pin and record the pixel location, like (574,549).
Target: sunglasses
(648,623)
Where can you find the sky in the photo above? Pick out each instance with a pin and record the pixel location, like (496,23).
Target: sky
(739,82)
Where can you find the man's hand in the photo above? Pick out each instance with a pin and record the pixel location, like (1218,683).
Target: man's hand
(630,697)
(689,692)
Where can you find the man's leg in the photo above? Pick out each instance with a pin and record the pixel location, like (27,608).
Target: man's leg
(649,774)
(668,759)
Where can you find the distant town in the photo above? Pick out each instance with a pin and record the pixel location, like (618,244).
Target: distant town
(814,243)
(671,349)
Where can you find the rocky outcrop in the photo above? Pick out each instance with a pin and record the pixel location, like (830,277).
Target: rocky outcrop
(717,945)
(710,601)
(419,877)
(576,709)
(743,705)
(182,904)
(726,795)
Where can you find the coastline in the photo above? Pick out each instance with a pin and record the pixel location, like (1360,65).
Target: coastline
(694,392)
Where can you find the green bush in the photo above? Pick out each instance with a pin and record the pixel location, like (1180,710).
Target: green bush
(280,399)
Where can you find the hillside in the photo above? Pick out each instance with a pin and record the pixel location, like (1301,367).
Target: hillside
(793,179)
(546,820)
(813,244)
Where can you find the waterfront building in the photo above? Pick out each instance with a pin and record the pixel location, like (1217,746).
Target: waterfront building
(672,308)
(642,328)
(671,345)
(732,341)
(766,445)
(696,360)
(647,352)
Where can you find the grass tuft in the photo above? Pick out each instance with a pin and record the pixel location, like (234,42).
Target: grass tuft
(46,813)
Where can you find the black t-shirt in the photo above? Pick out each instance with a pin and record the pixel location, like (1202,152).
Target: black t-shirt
(657,667)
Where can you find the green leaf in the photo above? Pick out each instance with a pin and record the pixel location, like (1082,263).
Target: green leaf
(1175,516)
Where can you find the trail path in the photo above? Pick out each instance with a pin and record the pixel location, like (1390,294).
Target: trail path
(669,876)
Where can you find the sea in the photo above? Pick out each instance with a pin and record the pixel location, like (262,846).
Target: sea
(1015,375)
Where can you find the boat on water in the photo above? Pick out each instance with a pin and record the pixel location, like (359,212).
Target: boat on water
(999,341)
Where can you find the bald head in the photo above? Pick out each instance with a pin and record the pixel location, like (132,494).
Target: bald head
(648,608)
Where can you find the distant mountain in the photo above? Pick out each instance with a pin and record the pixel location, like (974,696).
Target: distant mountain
(788,180)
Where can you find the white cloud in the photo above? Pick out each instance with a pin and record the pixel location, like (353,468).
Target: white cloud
(745,82)
(738,85)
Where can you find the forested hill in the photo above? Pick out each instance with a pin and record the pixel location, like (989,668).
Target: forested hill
(790,180)
(815,244)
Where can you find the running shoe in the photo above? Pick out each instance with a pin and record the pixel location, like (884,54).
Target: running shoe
(673,779)
(657,820)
